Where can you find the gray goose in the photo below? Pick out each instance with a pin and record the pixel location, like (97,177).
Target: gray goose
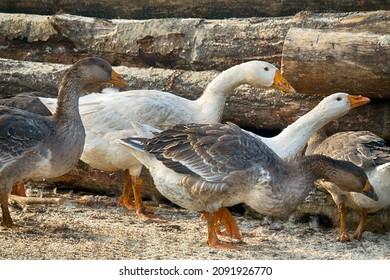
(207,167)
(366,150)
(35,146)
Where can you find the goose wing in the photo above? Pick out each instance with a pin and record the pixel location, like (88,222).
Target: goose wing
(215,154)
(27,101)
(363,148)
(21,131)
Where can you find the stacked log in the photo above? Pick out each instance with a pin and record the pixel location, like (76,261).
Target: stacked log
(188,44)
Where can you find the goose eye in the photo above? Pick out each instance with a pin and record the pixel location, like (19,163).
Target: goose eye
(266,68)
(338,98)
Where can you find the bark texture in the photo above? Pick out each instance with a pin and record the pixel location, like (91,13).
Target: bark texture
(328,60)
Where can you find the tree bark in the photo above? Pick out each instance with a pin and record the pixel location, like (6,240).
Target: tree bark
(217,9)
(333,60)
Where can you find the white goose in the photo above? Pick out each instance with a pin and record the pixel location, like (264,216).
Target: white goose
(290,143)
(207,167)
(366,150)
(107,119)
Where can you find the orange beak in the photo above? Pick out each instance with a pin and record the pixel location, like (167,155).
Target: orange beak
(357,100)
(281,83)
(369,191)
(117,79)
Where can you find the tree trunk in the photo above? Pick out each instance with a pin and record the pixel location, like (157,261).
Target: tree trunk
(328,61)
(189,44)
(217,9)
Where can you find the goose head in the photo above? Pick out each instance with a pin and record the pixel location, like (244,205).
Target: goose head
(346,175)
(341,103)
(263,74)
(95,70)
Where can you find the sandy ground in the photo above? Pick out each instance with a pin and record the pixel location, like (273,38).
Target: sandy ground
(100,229)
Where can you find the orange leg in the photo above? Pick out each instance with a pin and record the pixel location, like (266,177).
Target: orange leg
(7,220)
(223,215)
(140,210)
(133,185)
(212,239)
(18,189)
(125,199)
(360,229)
(344,236)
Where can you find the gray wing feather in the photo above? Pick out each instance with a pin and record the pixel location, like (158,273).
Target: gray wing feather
(212,154)
(28,102)
(20,131)
(363,148)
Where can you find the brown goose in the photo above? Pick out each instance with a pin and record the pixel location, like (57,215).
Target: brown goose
(207,167)
(35,146)
(366,150)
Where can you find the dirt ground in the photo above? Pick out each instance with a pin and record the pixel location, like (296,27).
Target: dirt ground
(93,227)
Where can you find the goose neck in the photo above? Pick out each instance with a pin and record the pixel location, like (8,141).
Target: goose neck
(301,131)
(213,99)
(68,99)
